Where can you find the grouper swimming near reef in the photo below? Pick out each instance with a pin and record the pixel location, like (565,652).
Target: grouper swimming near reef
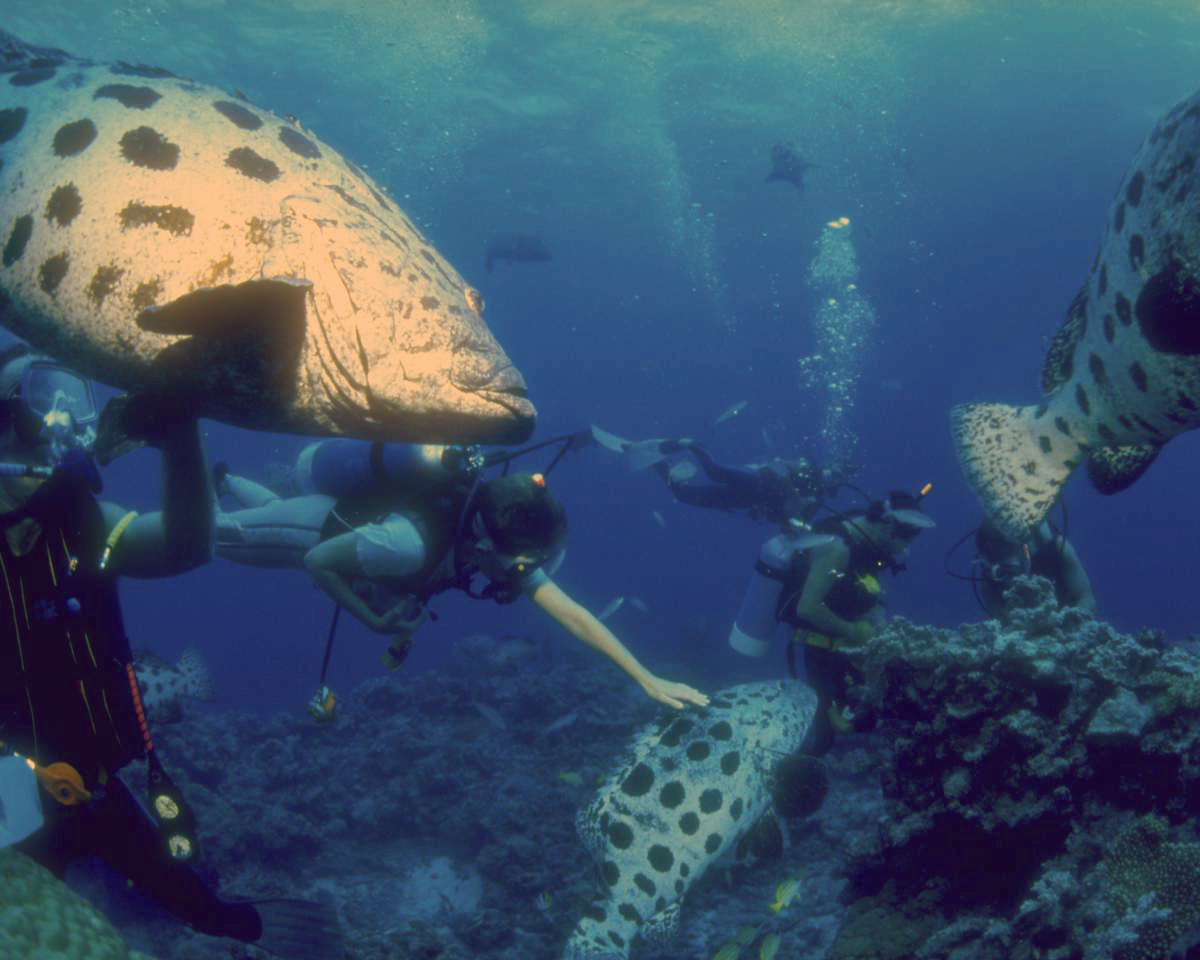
(700,789)
(1122,376)
(165,237)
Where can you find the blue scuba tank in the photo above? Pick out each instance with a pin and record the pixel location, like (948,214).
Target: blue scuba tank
(342,467)
(757,620)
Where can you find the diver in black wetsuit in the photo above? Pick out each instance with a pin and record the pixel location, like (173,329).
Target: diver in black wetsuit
(776,492)
(69,704)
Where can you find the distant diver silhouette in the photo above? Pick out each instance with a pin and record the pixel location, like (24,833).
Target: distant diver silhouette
(788,165)
(515,247)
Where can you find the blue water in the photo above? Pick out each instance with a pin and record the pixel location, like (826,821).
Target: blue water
(974,151)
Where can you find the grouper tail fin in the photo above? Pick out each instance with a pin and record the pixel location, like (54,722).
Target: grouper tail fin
(1014,460)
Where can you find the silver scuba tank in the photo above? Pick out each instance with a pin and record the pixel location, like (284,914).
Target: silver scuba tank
(20,801)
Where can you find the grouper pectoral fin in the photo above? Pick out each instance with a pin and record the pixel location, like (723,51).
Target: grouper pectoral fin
(256,307)
(801,782)
(663,927)
(239,347)
(1113,469)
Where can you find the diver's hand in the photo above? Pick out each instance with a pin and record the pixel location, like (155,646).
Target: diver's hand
(404,617)
(673,694)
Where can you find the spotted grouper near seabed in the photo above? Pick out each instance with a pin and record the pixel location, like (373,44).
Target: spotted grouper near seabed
(1122,376)
(163,236)
(701,789)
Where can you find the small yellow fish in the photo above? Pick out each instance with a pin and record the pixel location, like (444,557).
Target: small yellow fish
(544,902)
(769,947)
(731,951)
(571,778)
(785,893)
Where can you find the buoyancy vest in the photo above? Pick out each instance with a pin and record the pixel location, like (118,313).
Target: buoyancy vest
(65,693)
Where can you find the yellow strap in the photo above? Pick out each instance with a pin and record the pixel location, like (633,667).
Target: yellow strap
(113,537)
(821,640)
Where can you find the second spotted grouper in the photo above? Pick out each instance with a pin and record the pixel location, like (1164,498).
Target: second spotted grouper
(1122,376)
(704,788)
(165,237)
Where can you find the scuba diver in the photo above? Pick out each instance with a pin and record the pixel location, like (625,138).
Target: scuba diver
(1047,554)
(383,528)
(775,492)
(70,710)
(822,581)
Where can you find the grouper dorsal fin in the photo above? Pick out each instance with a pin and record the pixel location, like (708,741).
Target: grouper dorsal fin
(1113,469)
(1060,358)
(256,307)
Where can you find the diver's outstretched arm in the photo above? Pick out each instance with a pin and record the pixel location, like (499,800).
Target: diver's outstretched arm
(580,623)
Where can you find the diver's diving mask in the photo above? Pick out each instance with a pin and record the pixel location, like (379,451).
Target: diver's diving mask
(504,566)
(54,406)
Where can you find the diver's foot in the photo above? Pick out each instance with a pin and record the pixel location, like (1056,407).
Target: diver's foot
(220,475)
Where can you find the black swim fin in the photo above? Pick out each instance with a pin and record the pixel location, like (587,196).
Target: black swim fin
(299,930)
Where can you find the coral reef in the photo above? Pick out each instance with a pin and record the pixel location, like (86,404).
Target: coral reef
(41,917)
(1040,783)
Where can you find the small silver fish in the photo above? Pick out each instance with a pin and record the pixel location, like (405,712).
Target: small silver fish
(732,412)
(639,604)
(658,518)
(610,608)
(490,714)
(566,720)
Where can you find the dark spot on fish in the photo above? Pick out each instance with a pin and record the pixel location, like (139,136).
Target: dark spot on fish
(684,869)
(146,147)
(429,256)
(1062,427)
(660,858)
(730,763)
(671,795)
(257,231)
(675,732)
(699,750)
(1110,328)
(31,78)
(123,69)
(1030,467)
(1147,426)
(1045,444)
(1186,402)
(1124,309)
(146,294)
(52,271)
(639,781)
(64,204)
(616,939)
(135,98)
(712,843)
(430,303)
(629,912)
(175,220)
(1102,283)
(1081,398)
(680,886)
(1133,192)
(1137,251)
(721,731)
(660,905)
(1107,434)
(298,144)
(238,115)
(1138,375)
(1168,310)
(1119,218)
(248,163)
(18,237)
(12,119)
(103,282)
(620,835)
(645,884)
(1096,367)
(735,808)
(596,912)
(711,801)
(689,823)
(73,138)
(611,873)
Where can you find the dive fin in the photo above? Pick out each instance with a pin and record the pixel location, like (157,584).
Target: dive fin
(610,441)
(1015,468)
(237,310)
(639,454)
(299,930)
(1113,469)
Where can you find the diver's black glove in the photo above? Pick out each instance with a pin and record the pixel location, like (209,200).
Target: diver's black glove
(130,421)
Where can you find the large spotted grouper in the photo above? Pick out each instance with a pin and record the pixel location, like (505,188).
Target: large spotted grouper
(1123,373)
(165,237)
(703,788)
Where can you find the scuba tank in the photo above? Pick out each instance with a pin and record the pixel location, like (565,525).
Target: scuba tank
(20,803)
(342,467)
(758,617)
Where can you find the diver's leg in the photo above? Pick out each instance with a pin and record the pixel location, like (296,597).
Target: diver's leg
(277,534)
(247,493)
